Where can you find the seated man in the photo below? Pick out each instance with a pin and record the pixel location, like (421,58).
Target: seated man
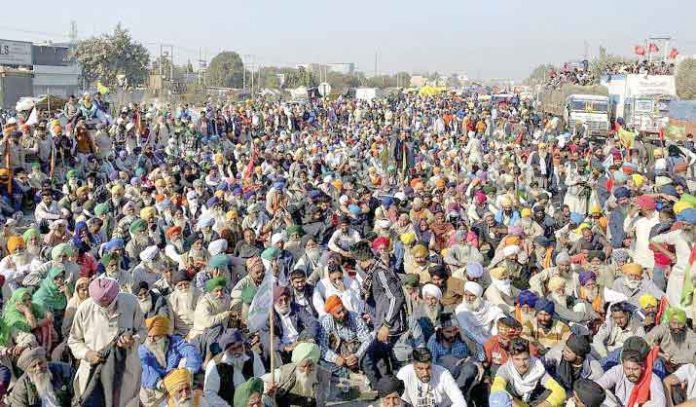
(161,353)
(525,378)
(343,338)
(634,343)
(676,341)
(497,347)
(615,330)
(291,323)
(572,361)
(452,288)
(501,292)
(647,311)
(544,331)
(587,393)
(567,307)
(428,384)
(538,283)
(633,284)
(683,383)
(426,313)
(620,380)
(477,316)
(297,383)
(42,383)
(230,368)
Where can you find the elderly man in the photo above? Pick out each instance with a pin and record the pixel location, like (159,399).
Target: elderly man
(149,268)
(633,284)
(427,384)
(108,320)
(621,380)
(296,384)
(621,325)
(523,375)
(343,338)
(639,221)
(230,369)
(43,383)
(419,264)
(213,309)
(245,289)
(291,323)
(160,354)
(249,394)
(677,342)
(544,331)
(179,387)
(501,292)
(390,389)
(427,312)
(572,361)
(538,283)
(476,316)
(452,287)
(182,303)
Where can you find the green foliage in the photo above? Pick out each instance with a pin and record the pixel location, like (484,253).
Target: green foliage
(104,58)
(538,75)
(226,70)
(299,77)
(686,79)
(601,64)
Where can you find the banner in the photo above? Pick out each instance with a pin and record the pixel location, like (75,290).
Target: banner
(639,50)
(260,307)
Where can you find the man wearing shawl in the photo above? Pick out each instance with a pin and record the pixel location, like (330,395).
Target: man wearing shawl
(230,368)
(572,361)
(292,324)
(633,381)
(538,283)
(213,309)
(296,384)
(244,291)
(109,319)
(544,331)
(160,354)
(343,338)
(42,383)
(633,284)
(476,316)
(525,378)
(677,341)
(182,303)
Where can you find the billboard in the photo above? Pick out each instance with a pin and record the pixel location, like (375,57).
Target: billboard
(15,53)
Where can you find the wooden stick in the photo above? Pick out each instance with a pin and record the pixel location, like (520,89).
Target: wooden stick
(272,350)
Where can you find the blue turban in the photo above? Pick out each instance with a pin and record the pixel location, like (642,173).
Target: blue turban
(474,269)
(229,337)
(114,244)
(543,304)
(528,298)
(355,209)
(586,276)
(688,215)
(621,192)
(669,189)
(387,201)
(212,201)
(576,218)
(279,185)
(314,194)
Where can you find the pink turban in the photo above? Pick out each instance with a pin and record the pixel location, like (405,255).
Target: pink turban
(103,290)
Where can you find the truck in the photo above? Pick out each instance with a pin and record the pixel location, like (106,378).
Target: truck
(581,107)
(641,100)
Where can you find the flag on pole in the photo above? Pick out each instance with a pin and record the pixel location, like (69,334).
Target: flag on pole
(33,117)
(639,50)
(653,48)
(261,304)
(673,54)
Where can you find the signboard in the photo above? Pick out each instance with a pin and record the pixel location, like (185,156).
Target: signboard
(642,85)
(324,89)
(15,53)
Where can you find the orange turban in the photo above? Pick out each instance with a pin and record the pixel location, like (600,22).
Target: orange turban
(632,268)
(332,303)
(157,325)
(511,241)
(14,243)
(173,231)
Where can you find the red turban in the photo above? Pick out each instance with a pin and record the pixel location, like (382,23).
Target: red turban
(173,231)
(381,242)
(646,202)
(332,303)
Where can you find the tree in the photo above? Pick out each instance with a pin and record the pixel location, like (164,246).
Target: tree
(226,70)
(106,57)
(686,79)
(539,74)
(604,61)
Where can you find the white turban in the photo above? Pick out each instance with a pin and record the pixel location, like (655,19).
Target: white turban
(217,246)
(56,223)
(510,250)
(343,200)
(383,223)
(432,290)
(149,253)
(473,288)
(278,237)
(562,258)
(205,222)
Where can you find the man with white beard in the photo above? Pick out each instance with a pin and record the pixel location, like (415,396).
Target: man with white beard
(48,384)
(140,239)
(310,261)
(182,302)
(176,246)
(244,291)
(297,383)
(179,387)
(213,308)
(148,269)
(16,265)
(232,367)
(477,316)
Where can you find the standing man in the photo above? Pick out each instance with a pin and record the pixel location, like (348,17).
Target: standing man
(382,290)
(111,320)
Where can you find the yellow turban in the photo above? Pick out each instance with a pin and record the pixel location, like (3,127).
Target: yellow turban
(407,238)
(638,180)
(632,268)
(595,210)
(231,215)
(511,240)
(82,190)
(116,189)
(419,251)
(526,213)
(176,379)
(556,282)
(157,325)
(147,213)
(338,184)
(647,300)
(680,206)
(14,243)
(499,273)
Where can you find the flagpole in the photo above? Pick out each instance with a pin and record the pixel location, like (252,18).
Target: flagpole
(270,345)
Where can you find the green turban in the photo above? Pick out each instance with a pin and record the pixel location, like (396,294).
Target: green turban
(60,250)
(270,253)
(676,314)
(305,350)
(30,233)
(138,225)
(295,230)
(214,283)
(244,391)
(71,174)
(218,261)
(101,209)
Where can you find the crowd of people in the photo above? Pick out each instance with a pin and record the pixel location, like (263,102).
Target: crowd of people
(582,75)
(410,251)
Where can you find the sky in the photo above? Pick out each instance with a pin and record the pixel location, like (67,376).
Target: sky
(482,39)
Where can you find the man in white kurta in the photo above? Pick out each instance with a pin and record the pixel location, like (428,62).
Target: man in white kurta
(98,321)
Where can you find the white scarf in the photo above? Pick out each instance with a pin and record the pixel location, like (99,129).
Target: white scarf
(525,385)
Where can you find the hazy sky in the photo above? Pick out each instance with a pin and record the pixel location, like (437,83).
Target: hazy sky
(485,38)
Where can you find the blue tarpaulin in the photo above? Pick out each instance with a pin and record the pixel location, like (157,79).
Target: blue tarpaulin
(683,110)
